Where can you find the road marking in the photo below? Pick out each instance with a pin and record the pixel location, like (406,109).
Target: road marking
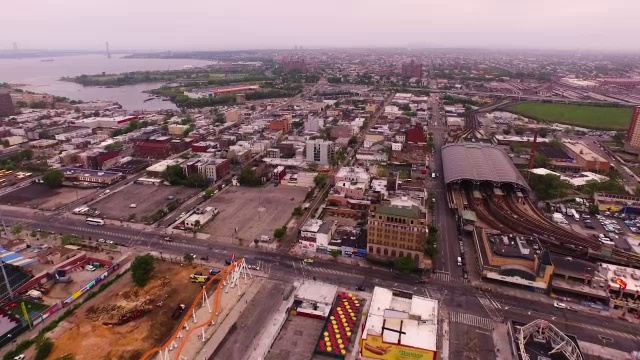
(490,305)
(472,320)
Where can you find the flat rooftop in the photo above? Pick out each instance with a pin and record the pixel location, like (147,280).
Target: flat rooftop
(509,245)
(402,318)
(583,151)
(316,291)
(629,276)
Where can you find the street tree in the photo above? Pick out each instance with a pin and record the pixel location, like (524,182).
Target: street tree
(53,178)
(279,233)
(189,258)
(297,211)
(17,230)
(320,180)
(404,264)
(142,269)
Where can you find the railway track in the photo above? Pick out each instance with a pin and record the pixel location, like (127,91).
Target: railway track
(482,214)
(560,240)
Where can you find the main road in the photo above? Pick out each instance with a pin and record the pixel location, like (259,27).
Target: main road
(456,295)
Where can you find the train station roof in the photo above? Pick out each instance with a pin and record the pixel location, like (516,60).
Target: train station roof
(479,162)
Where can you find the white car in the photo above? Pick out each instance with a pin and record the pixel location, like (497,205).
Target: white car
(109,241)
(90,268)
(559,305)
(133,205)
(19,357)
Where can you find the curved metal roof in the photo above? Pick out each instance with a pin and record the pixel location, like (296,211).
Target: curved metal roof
(479,162)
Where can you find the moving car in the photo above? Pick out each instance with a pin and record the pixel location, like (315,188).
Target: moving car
(559,305)
(101,240)
(308,261)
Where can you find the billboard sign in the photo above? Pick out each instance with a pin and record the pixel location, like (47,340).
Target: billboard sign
(372,347)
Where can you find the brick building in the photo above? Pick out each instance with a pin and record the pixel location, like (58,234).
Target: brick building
(397,228)
(280,125)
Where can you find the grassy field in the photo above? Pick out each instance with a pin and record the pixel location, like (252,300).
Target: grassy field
(593,117)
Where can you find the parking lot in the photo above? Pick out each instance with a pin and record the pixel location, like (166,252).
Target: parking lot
(253,211)
(147,199)
(607,228)
(39,196)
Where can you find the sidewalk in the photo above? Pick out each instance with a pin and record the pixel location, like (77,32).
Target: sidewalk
(298,251)
(501,341)
(231,306)
(271,331)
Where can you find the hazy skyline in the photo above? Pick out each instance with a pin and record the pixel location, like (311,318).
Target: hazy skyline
(252,24)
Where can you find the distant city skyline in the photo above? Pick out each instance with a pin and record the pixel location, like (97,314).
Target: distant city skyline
(282,24)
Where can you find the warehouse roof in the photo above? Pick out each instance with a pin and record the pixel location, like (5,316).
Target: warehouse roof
(479,162)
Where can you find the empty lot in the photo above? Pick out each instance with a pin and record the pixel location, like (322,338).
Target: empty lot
(148,200)
(254,211)
(39,196)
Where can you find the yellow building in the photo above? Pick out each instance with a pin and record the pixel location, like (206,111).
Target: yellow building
(396,229)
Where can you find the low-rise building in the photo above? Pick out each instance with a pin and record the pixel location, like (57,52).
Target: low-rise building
(91,176)
(200,217)
(400,325)
(514,259)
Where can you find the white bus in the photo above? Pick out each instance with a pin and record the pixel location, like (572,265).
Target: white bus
(94,221)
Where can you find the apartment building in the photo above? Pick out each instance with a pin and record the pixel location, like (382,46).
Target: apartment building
(320,151)
(397,228)
(632,142)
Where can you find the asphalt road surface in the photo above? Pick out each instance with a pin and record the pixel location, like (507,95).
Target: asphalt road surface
(456,295)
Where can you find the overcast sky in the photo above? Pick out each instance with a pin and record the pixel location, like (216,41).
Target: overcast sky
(246,24)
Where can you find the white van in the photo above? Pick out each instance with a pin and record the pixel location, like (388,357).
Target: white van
(459,261)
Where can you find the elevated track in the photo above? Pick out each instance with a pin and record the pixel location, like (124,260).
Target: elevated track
(509,214)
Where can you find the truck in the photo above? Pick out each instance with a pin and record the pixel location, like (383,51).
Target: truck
(558,218)
(574,213)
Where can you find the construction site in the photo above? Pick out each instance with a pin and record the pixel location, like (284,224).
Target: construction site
(124,321)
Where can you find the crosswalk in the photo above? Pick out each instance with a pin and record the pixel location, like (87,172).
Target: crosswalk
(468,319)
(444,277)
(326,271)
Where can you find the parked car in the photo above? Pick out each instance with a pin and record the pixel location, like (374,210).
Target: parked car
(308,261)
(90,268)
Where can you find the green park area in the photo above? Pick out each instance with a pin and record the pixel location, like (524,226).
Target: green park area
(587,116)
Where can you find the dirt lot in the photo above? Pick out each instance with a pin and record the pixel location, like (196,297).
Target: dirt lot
(254,211)
(41,197)
(85,336)
(148,199)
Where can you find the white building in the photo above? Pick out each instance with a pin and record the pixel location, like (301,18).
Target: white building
(316,233)
(313,124)
(200,217)
(396,146)
(320,151)
(402,323)
(73,134)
